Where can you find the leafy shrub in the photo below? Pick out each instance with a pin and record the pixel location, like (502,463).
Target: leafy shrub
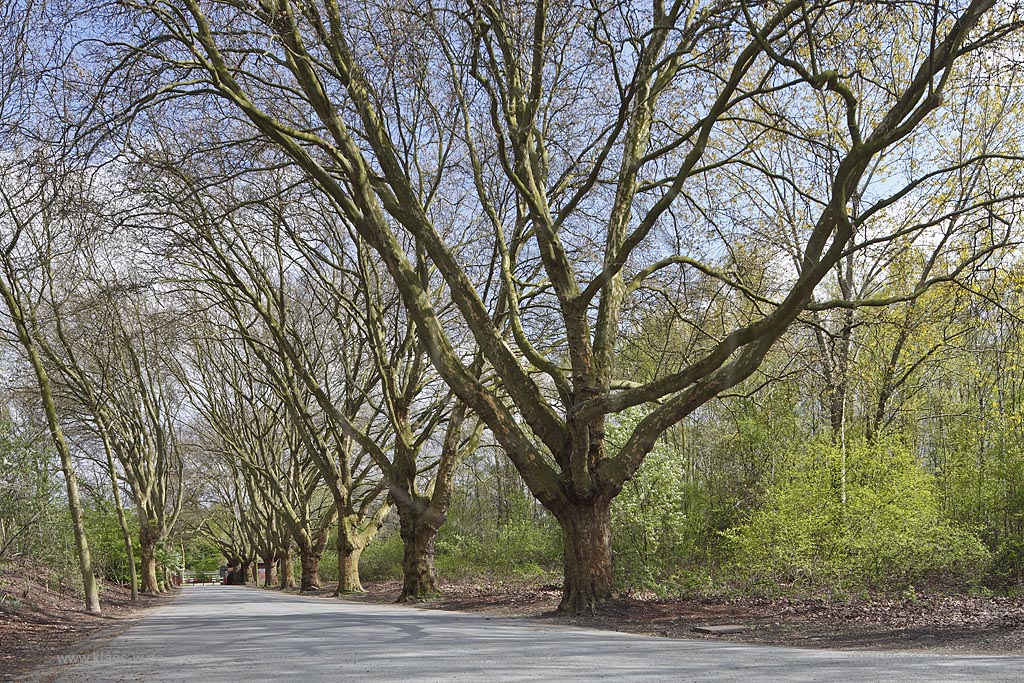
(1007,568)
(106,543)
(888,534)
(519,547)
(382,559)
(649,523)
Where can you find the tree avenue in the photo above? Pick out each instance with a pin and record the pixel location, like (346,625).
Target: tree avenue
(603,153)
(729,290)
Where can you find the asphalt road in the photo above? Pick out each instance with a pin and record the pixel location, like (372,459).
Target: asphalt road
(234,634)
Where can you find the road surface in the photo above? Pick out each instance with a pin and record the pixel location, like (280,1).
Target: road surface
(234,634)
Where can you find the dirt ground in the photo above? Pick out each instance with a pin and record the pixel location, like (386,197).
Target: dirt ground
(937,623)
(41,618)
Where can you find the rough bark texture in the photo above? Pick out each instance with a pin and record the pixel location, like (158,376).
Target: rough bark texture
(586,536)
(287,571)
(147,557)
(419,580)
(348,570)
(351,542)
(269,571)
(310,561)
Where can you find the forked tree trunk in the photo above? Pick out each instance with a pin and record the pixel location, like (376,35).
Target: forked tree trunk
(350,549)
(418,530)
(352,540)
(586,538)
(310,561)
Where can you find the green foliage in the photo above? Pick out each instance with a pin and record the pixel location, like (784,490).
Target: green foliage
(106,543)
(1007,568)
(495,527)
(30,494)
(201,555)
(382,559)
(889,534)
(518,547)
(650,526)
(698,481)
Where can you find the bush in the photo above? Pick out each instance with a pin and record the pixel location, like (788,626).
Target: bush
(106,543)
(649,525)
(890,533)
(519,547)
(1007,568)
(382,559)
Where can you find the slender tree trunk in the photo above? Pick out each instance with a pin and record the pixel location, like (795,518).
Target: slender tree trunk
(89,584)
(586,537)
(147,556)
(122,520)
(287,572)
(129,546)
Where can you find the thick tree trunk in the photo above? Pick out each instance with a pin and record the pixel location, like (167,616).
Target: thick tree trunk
(269,570)
(243,572)
(419,580)
(287,572)
(352,540)
(147,557)
(348,570)
(586,537)
(310,561)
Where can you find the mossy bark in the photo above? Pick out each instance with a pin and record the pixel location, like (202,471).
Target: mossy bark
(309,560)
(418,529)
(150,583)
(586,537)
(287,570)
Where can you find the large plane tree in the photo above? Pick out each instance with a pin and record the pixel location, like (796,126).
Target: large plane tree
(611,155)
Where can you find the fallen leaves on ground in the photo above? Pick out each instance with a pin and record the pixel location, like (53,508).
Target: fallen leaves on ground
(951,623)
(42,616)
